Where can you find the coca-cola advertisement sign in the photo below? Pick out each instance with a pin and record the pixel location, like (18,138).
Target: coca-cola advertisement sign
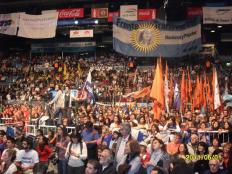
(71,13)
(146,14)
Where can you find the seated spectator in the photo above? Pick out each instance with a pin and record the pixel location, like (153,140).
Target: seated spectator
(106,161)
(173,146)
(7,163)
(215,145)
(131,162)
(214,168)
(27,158)
(182,152)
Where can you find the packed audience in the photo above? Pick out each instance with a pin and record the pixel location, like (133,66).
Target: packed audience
(107,137)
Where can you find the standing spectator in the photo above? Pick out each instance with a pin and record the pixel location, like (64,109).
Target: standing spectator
(106,161)
(126,136)
(92,167)
(27,158)
(90,137)
(131,162)
(114,140)
(76,153)
(105,137)
(62,143)
(58,102)
(44,152)
(159,157)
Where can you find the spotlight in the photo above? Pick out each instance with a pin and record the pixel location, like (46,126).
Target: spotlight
(212,31)
(219,26)
(76,22)
(96,21)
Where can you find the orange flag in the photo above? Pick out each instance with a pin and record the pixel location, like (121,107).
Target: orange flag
(190,88)
(157,90)
(204,102)
(183,92)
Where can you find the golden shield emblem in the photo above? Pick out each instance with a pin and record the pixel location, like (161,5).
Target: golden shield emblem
(145,38)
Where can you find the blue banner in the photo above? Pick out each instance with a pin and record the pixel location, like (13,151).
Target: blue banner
(156,38)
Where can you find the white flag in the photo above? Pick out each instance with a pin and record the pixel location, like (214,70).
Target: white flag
(217,102)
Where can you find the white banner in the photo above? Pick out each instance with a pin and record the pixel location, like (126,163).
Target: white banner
(217,15)
(81,33)
(9,23)
(38,26)
(129,12)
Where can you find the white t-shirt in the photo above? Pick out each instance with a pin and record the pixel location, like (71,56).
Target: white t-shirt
(12,168)
(28,158)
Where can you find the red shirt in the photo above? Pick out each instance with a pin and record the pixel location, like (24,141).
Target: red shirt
(44,153)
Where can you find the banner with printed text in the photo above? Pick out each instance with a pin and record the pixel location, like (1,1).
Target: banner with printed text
(9,23)
(71,13)
(129,12)
(217,15)
(38,26)
(99,12)
(156,38)
(81,33)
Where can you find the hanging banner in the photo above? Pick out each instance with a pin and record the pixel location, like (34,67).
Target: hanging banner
(155,38)
(99,12)
(217,15)
(81,33)
(129,12)
(194,11)
(146,14)
(71,13)
(111,15)
(9,23)
(38,26)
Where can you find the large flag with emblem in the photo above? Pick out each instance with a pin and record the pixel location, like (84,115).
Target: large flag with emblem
(155,37)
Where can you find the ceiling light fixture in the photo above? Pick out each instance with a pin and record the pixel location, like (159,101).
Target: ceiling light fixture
(219,26)
(212,31)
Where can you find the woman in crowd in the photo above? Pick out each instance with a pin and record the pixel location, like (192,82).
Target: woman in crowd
(116,124)
(76,153)
(7,163)
(144,156)
(61,146)
(159,157)
(105,136)
(131,162)
(114,140)
(215,145)
(182,153)
(44,152)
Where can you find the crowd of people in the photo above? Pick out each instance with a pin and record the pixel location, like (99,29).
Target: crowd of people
(109,137)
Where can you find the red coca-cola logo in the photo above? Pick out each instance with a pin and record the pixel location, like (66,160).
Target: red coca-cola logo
(71,13)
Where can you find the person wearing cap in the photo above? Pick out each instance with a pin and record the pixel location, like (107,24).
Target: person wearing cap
(144,155)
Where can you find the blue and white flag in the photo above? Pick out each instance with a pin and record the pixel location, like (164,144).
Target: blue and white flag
(155,38)
(89,87)
(176,97)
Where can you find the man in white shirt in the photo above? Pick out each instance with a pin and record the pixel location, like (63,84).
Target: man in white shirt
(27,158)
(10,143)
(125,131)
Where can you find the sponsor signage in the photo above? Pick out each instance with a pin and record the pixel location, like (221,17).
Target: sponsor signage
(99,12)
(81,33)
(146,14)
(71,13)
(194,11)
(129,12)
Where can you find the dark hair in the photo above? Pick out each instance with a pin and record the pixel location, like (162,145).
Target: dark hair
(156,168)
(134,148)
(29,142)
(40,131)
(185,147)
(203,144)
(76,135)
(180,167)
(96,165)
(11,139)
(89,125)
(163,148)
